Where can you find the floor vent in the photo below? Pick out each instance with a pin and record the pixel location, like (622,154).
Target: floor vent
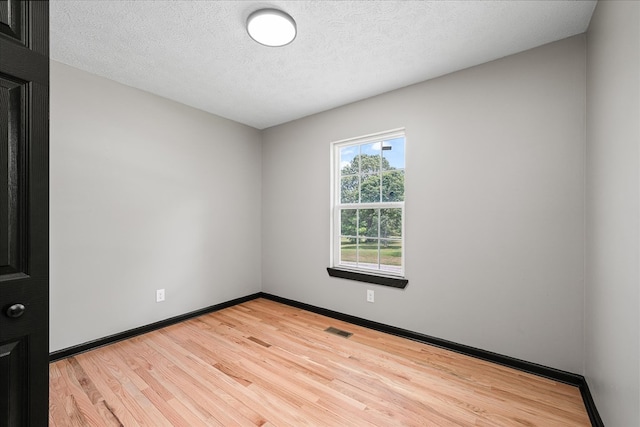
(337,331)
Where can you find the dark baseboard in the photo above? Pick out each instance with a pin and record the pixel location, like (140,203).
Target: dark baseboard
(590,405)
(521,365)
(100,342)
(511,362)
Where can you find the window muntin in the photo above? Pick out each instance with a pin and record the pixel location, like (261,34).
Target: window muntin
(369,203)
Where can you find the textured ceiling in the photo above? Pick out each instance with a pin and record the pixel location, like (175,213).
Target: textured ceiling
(198,52)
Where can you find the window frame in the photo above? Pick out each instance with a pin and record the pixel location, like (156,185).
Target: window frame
(337,269)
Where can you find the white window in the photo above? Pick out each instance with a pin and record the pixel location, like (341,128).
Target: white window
(368,204)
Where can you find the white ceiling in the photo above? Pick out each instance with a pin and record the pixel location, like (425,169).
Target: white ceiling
(198,52)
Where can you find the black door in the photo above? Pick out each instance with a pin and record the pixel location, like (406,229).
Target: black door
(24,213)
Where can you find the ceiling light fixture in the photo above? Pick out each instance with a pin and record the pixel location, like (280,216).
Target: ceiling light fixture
(271,27)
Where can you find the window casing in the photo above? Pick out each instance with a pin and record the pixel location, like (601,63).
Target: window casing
(368,204)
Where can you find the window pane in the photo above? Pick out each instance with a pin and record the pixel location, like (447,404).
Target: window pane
(368,223)
(348,222)
(348,248)
(370,189)
(393,186)
(349,189)
(391,223)
(370,158)
(391,255)
(393,154)
(368,254)
(349,160)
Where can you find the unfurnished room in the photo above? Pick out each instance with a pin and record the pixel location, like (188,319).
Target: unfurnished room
(320,213)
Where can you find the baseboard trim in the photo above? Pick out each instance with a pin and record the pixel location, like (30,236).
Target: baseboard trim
(511,362)
(100,342)
(590,404)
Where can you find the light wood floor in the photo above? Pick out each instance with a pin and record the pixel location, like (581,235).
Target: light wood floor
(267,364)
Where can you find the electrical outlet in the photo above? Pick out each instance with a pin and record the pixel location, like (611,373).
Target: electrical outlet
(370,295)
(160,295)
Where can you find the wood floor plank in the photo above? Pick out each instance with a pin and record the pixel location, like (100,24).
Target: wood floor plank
(200,375)
(262,363)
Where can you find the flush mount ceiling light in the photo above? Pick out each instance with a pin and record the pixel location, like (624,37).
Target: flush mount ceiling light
(271,27)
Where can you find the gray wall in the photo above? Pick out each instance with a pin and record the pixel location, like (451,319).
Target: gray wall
(494,211)
(146,193)
(612,323)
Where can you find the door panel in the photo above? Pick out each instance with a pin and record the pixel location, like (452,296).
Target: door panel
(24,213)
(12,177)
(12,370)
(12,18)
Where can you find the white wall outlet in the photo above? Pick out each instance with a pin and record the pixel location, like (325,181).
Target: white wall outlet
(160,295)
(370,295)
